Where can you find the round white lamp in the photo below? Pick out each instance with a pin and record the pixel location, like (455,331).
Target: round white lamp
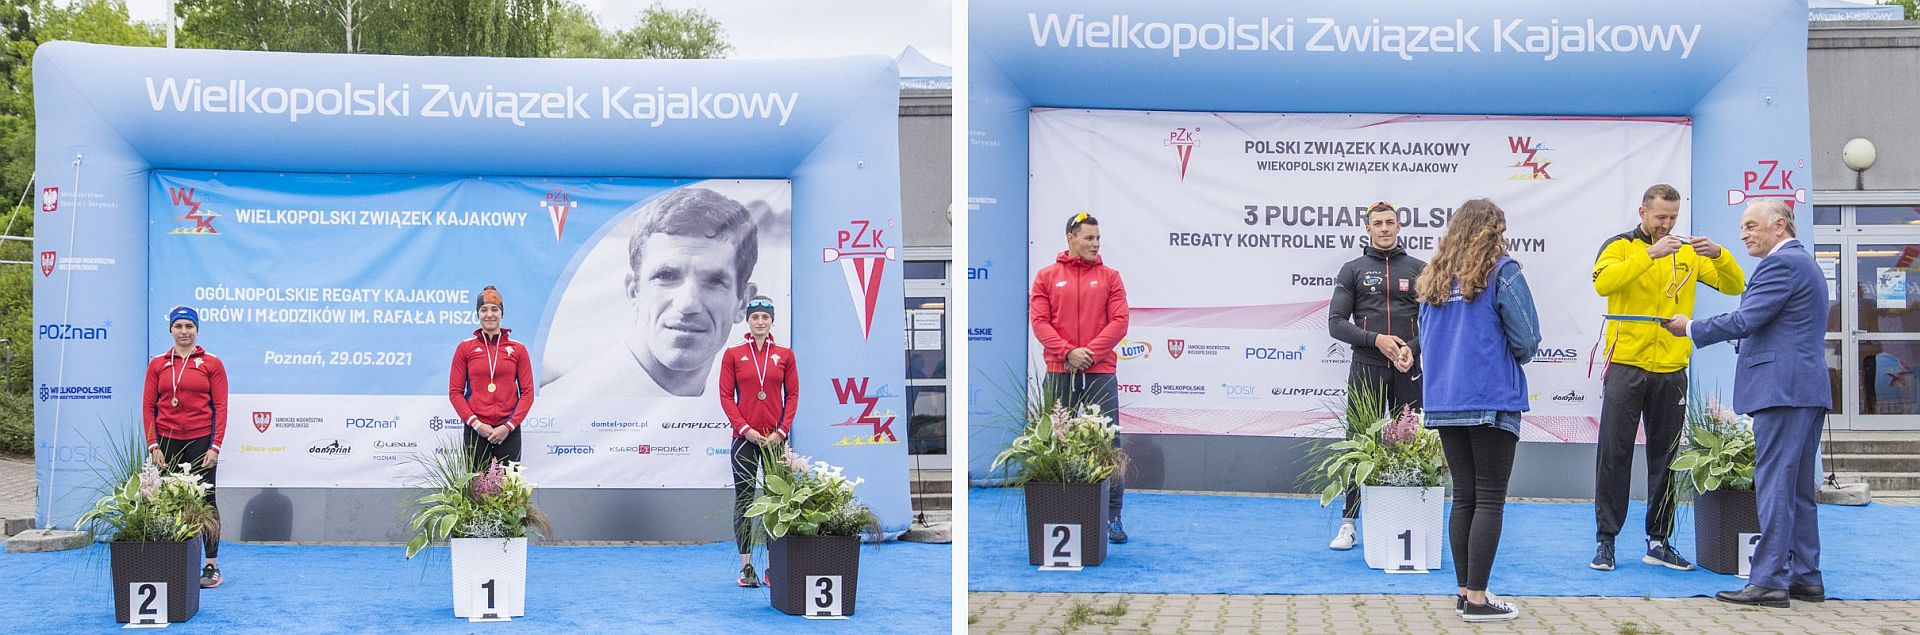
(1858,154)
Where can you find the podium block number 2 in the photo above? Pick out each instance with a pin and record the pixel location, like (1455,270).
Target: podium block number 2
(1063,544)
(149,601)
(824,596)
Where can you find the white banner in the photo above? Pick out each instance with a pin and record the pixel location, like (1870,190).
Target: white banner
(1228,230)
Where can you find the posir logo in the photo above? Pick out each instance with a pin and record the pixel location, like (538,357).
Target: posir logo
(1531,166)
(1571,396)
(853,391)
(262,420)
(1767,180)
(48,393)
(195,221)
(569,450)
(49,199)
(1555,356)
(1129,349)
(557,206)
(980,334)
(330,449)
(863,256)
(1237,391)
(539,425)
(1183,140)
(1177,389)
(1279,354)
(369,423)
(72,332)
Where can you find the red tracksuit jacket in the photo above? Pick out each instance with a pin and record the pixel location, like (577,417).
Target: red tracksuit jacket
(202,391)
(740,378)
(1075,304)
(512,377)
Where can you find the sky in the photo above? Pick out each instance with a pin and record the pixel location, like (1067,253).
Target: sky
(779,28)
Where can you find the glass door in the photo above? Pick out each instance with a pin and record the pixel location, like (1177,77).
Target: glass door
(927,299)
(1883,329)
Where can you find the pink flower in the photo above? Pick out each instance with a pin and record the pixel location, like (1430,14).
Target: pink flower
(149,480)
(488,482)
(1402,429)
(793,460)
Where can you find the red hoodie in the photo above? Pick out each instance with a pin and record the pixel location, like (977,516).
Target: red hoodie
(1078,304)
(512,376)
(201,389)
(740,368)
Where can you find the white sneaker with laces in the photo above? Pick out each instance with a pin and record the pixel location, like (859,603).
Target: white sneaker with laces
(1344,540)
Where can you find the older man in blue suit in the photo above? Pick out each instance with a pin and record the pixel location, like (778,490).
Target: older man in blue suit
(1780,380)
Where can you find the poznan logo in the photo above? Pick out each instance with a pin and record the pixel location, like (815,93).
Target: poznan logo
(557,206)
(863,255)
(1183,141)
(1531,167)
(74,332)
(1276,354)
(196,221)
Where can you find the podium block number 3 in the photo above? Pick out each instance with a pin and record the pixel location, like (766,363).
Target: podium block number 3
(824,595)
(1748,543)
(149,602)
(1063,544)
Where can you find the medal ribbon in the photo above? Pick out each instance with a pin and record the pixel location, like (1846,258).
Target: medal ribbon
(759,365)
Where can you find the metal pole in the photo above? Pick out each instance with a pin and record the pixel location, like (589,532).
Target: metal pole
(170,21)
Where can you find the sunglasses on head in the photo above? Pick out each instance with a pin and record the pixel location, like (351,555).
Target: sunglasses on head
(1380,205)
(760,304)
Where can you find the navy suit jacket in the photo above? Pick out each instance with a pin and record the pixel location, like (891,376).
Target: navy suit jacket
(1781,322)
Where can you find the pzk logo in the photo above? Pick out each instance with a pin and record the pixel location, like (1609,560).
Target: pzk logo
(202,220)
(863,258)
(1533,168)
(853,391)
(262,420)
(49,199)
(558,204)
(1183,141)
(1767,180)
(1176,348)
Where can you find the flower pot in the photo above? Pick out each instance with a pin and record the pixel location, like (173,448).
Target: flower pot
(1719,517)
(1083,504)
(794,559)
(177,564)
(1386,512)
(489,566)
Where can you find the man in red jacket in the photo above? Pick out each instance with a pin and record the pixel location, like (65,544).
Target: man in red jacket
(1079,313)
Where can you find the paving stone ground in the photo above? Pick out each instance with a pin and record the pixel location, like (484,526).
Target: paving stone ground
(16,488)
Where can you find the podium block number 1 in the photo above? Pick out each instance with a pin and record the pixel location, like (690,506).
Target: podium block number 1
(824,597)
(1411,557)
(149,601)
(486,603)
(1063,545)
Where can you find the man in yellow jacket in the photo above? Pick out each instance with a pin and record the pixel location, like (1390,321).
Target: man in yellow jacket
(1648,271)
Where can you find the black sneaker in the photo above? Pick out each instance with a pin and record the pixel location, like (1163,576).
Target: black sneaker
(1459,605)
(747,578)
(209,577)
(1492,611)
(1665,556)
(1116,534)
(1603,556)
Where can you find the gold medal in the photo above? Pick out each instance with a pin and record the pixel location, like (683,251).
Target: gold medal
(176,400)
(490,387)
(763,395)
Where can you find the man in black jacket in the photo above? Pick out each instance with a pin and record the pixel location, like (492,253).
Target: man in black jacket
(1375,312)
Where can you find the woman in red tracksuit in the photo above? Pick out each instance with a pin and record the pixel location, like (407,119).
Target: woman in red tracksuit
(491,385)
(759,389)
(183,408)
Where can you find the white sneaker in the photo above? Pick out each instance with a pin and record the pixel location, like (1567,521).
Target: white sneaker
(1344,540)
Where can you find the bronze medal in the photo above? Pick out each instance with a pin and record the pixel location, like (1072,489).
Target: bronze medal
(763,395)
(176,402)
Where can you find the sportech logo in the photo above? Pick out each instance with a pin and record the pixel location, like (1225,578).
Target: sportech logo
(1532,167)
(1767,180)
(201,221)
(863,256)
(853,391)
(1183,140)
(557,206)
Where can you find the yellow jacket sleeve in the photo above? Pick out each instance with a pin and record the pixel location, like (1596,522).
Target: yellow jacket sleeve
(1723,273)
(1620,263)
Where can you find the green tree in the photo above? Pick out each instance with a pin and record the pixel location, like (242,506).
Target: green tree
(662,33)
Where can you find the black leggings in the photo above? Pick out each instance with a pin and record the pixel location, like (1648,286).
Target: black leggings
(1481,458)
(484,453)
(190,451)
(746,464)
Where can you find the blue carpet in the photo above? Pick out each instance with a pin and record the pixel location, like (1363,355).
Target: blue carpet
(1183,543)
(904,587)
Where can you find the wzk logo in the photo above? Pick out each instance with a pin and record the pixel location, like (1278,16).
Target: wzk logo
(1270,353)
(1555,356)
(853,391)
(1767,180)
(1129,349)
(262,420)
(1571,396)
(47,260)
(1532,167)
(202,219)
(567,450)
(1182,141)
(49,199)
(1176,348)
(558,204)
(330,449)
(72,332)
(863,256)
